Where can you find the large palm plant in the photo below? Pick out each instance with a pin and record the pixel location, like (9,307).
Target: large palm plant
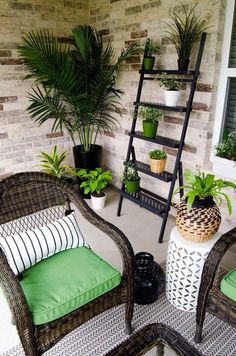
(75,85)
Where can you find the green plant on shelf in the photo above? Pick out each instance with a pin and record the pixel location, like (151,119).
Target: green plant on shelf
(152,47)
(150,114)
(201,185)
(157,154)
(227,148)
(130,172)
(170,82)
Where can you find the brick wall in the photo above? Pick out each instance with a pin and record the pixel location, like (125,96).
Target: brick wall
(126,22)
(123,22)
(21,140)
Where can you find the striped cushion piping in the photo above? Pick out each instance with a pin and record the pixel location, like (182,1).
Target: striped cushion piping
(28,248)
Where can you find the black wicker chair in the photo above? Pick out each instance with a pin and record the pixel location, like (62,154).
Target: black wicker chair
(26,193)
(210,297)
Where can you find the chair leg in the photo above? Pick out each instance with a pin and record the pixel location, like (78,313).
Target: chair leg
(129,308)
(198,334)
(160,349)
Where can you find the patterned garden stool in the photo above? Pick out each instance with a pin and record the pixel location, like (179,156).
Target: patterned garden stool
(185,260)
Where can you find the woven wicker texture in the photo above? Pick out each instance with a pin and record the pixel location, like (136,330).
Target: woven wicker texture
(210,297)
(27,193)
(199,224)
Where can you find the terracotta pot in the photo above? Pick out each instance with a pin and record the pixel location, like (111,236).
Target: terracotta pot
(201,222)
(157,165)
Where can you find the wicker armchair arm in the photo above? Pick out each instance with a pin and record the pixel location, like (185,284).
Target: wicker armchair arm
(210,269)
(16,300)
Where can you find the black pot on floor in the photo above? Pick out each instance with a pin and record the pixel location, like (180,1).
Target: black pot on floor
(87,160)
(148,279)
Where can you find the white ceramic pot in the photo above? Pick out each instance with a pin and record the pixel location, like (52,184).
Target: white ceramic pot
(172,97)
(98,203)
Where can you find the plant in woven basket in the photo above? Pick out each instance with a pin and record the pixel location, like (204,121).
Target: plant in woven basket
(157,159)
(198,216)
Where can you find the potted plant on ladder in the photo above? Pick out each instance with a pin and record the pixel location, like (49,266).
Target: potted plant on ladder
(157,159)
(151,47)
(172,84)
(151,117)
(131,178)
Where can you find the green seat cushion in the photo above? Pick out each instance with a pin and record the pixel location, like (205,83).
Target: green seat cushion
(65,281)
(228,284)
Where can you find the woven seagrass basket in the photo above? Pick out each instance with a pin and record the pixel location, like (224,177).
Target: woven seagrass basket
(199,224)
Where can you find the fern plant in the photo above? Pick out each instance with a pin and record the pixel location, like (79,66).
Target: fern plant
(75,87)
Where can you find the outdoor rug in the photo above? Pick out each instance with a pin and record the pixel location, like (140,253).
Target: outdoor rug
(104,332)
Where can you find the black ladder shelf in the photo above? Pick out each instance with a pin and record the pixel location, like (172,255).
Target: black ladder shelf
(144,198)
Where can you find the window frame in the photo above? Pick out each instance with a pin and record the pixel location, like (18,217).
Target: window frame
(221,164)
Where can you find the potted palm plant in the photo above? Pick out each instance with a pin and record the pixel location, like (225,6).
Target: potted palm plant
(157,159)
(172,85)
(131,177)
(75,86)
(93,183)
(198,217)
(151,47)
(150,117)
(184,30)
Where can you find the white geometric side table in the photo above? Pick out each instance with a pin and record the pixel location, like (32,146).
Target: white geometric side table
(185,260)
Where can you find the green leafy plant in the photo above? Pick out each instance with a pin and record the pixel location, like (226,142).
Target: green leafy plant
(227,148)
(185,28)
(203,185)
(150,114)
(130,172)
(94,181)
(157,154)
(53,164)
(75,86)
(152,47)
(170,82)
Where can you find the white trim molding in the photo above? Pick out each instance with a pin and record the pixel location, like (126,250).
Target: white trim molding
(222,166)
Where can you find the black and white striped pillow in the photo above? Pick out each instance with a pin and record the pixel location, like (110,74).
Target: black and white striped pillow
(27,248)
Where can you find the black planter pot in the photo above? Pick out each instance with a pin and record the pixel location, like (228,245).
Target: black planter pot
(203,203)
(88,160)
(148,279)
(183,64)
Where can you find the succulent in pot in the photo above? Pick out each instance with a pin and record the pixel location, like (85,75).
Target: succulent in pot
(131,178)
(172,84)
(151,47)
(198,217)
(184,30)
(151,117)
(157,159)
(93,182)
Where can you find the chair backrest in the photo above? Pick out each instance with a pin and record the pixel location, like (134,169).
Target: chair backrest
(27,202)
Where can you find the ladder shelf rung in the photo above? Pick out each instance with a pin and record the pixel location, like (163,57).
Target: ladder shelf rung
(160,140)
(167,71)
(161,106)
(147,201)
(145,168)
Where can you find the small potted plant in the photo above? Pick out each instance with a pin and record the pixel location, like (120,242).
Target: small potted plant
(131,177)
(93,182)
(151,117)
(172,85)
(227,148)
(157,159)
(198,217)
(151,47)
(184,30)
(53,164)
